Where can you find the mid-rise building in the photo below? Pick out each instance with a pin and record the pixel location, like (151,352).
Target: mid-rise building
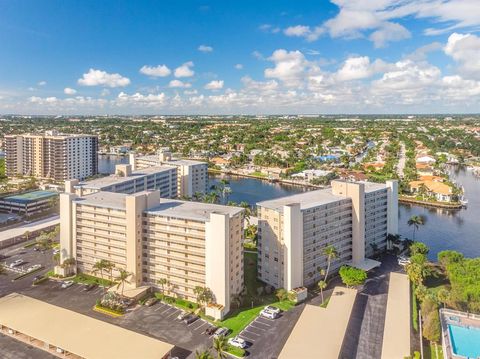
(188,243)
(51,155)
(192,175)
(163,178)
(293,231)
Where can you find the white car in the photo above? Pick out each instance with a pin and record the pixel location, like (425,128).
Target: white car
(16,263)
(237,342)
(67,284)
(403,261)
(268,314)
(221,332)
(272,309)
(34,267)
(56,251)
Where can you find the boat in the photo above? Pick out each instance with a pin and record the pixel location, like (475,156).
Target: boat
(463,201)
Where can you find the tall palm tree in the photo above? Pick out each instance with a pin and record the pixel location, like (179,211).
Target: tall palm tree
(331,253)
(416,222)
(322,285)
(99,267)
(220,344)
(163,282)
(109,266)
(122,278)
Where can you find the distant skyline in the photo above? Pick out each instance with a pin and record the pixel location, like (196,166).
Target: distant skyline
(239,57)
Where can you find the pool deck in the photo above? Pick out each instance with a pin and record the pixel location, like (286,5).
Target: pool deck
(454,317)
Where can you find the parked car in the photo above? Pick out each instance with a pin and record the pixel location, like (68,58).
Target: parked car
(237,342)
(268,314)
(182,315)
(189,319)
(403,261)
(16,263)
(151,301)
(34,267)
(67,284)
(89,287)
(273,309)
(210,330)
(221,331)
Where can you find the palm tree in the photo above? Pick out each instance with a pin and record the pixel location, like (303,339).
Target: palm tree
(163,282)
(322,285)
(109,266)
(331,253)
(443,295)
(100,267)
(415,222)
(248,211)
(122,278)
(203,355)
(27,235)
(220,345)
(2,269)
(204,295)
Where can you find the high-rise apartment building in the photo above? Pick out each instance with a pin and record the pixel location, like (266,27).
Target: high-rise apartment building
(51,155)
(192,175)
(188,243)
(293,231)
(163,178)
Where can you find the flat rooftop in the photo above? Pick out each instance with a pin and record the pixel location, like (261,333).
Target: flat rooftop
(396,334)
(156,159)
(103,182)
(315,198)
(76,333)
(319,332)
(307,200)
(104,199)
(30,196)
(191,210)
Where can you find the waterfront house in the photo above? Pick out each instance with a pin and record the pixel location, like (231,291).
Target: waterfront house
(441,191)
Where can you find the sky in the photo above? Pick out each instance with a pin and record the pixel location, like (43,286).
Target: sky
(239,57)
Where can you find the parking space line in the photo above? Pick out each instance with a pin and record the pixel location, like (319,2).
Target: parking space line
(158,308)
(175,313)
(244,337)
(259,328)
(200,326)
(259,322)
(195,322)
(251,332)
(165,311)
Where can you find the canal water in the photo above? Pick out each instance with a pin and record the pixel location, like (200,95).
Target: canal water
(443,229)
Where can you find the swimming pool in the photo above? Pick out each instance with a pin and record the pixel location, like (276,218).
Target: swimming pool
(465,341)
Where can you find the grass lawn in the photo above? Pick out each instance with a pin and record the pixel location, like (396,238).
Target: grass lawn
(89,279)
(258,174)
(179,303)
(429,351)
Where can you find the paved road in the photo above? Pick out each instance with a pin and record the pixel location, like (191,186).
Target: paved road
(401,160)
(31,227)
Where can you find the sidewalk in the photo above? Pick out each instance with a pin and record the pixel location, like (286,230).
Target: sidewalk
(10,234)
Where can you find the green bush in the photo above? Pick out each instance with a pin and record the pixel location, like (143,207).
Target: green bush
(414,310)
(41,280)
(239,352)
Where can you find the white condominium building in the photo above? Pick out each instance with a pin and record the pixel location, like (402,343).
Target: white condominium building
(188,243)
(192,175)
(354,217)
(51,155)
(163,178)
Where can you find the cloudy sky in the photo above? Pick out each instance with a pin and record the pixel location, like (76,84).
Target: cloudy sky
(240,57)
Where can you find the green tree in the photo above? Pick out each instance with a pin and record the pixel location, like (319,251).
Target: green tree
(416,222)
(220,344)
(331,253)
(99,267)
(122,278)
(431,326)
(352,276)
(281,294)
(443,296)
(322,285)
(204,295)
(205,354)
(419,248)
(163,282)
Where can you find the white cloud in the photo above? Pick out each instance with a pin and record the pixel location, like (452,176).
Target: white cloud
(465,50)
(290,67)
(205,48)
(102,78)
(258,55)
(42,83)
(269,28)
(184,70)
(356,68)
(69,91)
(214,85)
(378,19)
(179,84)
(190,92)
(388,32)
(105,92)
(238,66)
(155,71)
(138,99)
